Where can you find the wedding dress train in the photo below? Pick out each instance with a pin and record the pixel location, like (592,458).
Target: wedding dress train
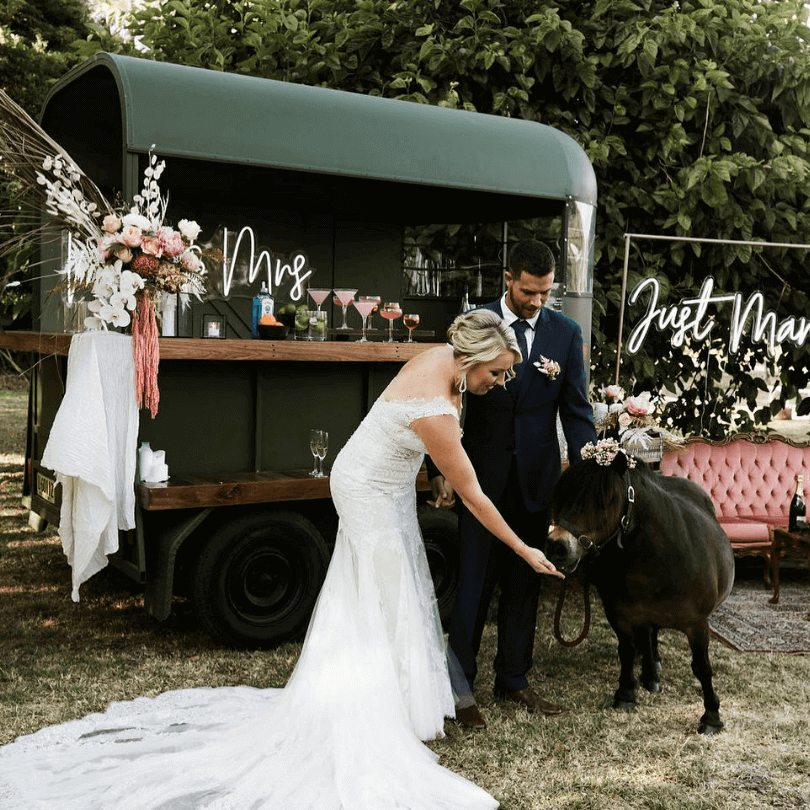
(344,734)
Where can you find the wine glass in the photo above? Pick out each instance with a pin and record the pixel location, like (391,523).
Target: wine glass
(318,296)
(323,447)
(345,297)
(318,443)
(365,306)
(411,322)
(391,311)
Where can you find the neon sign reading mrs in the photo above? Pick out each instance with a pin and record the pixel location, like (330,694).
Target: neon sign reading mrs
(296,266)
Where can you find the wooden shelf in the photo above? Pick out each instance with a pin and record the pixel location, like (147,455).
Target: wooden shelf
(339,351)
(232,489)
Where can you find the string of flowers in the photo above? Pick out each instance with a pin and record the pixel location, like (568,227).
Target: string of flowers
(122,257)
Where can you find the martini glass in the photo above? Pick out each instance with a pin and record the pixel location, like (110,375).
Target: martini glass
(345,297)
(391,311)
(318,296)
(411,322)
(365,306)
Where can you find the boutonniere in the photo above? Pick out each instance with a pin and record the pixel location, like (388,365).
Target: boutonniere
(551,368)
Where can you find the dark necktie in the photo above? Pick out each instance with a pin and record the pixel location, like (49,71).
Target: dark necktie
(520,328)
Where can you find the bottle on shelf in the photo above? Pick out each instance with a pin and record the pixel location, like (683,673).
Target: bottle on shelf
(798,510)
(263,304)
(466,306)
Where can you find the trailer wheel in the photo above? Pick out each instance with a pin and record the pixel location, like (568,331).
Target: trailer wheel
(440,533)
(258,577)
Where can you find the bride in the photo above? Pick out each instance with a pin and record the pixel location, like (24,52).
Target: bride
(372,679)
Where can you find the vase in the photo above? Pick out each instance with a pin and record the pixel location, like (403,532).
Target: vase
(650,449)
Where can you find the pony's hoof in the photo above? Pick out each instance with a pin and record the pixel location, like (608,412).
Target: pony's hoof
(709,730)
(626,706)
(653,686)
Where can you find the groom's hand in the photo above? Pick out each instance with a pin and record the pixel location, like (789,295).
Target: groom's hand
(443,495)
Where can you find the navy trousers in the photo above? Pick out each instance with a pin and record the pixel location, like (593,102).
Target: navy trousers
(486,562)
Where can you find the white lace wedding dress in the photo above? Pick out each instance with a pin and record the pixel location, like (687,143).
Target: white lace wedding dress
(344,734)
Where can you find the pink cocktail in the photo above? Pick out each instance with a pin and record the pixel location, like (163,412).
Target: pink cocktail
(345,296)
(391,312)
(319,296)
(365,306)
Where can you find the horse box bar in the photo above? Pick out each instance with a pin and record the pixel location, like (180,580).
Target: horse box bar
(356,185)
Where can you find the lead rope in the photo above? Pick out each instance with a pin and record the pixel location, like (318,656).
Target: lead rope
(558,613)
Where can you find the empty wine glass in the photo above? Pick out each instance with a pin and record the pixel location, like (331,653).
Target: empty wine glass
(323,448)
(318,445)
(318,296)
(391,311)
(411,322)
(365,306)
(345,297)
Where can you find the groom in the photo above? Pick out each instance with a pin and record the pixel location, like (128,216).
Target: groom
(510,436)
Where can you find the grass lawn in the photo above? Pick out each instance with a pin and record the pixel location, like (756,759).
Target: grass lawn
(60,660)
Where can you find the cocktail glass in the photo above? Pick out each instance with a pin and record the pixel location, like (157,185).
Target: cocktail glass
(365,306)
(411,322)
(345,297)
(391,311)
(319,296)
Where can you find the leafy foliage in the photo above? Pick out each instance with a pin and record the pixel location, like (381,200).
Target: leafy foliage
(695,115)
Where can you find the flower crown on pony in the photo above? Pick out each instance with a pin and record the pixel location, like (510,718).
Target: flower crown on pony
(605,451)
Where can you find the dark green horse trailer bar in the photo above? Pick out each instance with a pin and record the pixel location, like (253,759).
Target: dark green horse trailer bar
(369,194)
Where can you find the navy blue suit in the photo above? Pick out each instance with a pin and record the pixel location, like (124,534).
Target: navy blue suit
(510,436)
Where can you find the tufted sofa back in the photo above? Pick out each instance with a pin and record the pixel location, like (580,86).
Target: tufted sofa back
(748,476)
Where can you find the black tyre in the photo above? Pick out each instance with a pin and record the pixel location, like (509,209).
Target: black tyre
(257,578)
(440,532)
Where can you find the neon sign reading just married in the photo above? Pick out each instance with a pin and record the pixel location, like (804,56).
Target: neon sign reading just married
(296,266)
(690,316)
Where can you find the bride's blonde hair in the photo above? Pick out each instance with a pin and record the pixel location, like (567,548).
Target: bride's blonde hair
(479,336)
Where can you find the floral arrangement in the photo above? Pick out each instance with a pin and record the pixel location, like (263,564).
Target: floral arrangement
(123,258)
(605,451)
(551,368)
(632,422)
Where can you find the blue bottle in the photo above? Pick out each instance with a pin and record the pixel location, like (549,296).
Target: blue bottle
(263,304)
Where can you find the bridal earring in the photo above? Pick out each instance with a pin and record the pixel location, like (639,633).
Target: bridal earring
(462,382)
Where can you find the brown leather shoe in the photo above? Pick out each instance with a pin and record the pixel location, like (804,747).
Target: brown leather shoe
(470,717)
(530,699)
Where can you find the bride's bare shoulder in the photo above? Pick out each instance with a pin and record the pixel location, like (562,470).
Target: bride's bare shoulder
(428,375)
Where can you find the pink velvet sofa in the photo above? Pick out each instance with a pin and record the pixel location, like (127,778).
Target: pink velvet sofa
(751,479)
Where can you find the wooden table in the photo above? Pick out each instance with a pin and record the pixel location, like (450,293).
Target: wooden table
(795,543)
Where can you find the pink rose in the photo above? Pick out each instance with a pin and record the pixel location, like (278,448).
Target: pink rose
(189,261)
(152,246)
(638,406)
(614,392)
(131,236)
(111,223)
(124,253)
(625,420)
(171,242)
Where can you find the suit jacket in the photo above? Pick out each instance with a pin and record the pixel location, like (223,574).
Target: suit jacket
(521,420)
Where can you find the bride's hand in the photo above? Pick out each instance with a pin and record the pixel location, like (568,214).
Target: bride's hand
(540,563)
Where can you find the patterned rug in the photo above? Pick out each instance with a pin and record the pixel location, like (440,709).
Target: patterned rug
(747,622)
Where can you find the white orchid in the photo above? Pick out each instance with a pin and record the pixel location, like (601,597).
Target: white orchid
(129,283)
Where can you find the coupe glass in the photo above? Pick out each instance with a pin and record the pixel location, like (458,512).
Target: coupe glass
(319,296)
(345,297)
(365,306)
(318,445)
(391,311)
(411,322)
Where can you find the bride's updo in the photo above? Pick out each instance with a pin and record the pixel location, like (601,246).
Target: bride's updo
(479,336)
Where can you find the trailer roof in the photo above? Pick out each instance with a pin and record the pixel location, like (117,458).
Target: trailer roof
(228,118)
